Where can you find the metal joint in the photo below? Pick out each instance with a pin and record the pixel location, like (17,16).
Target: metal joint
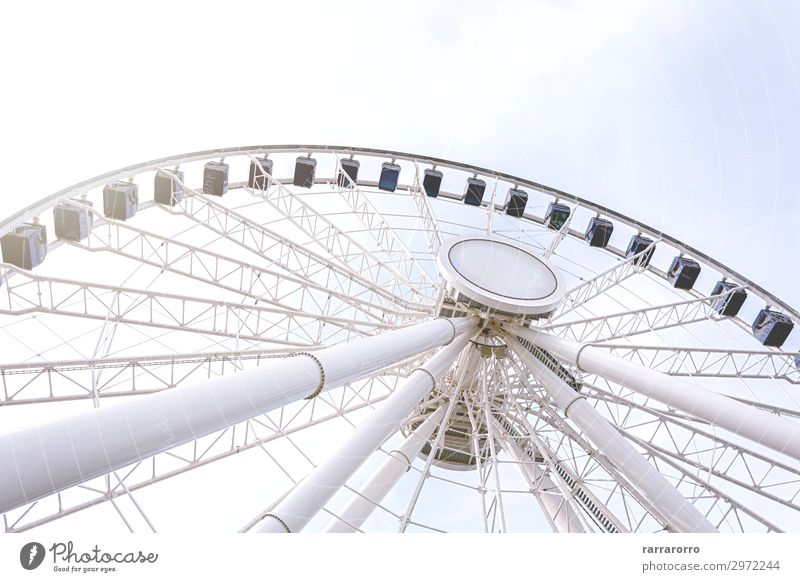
(321,374)
(425,371)
(401,453)
(283,523)
(578,356)
(566,410)
(448,320)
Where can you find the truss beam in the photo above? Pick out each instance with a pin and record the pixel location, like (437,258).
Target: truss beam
(385,236)
(55,381)
(718,495)
(280,289)
(681,462)
(573,483)
(573,460)
(711,362)
(708,452)
(345,249)
(26,293)
(279,251)
(425,213)
(599,284)
(638,321)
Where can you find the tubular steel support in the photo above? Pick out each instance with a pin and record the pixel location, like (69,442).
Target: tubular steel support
(674,507)
(760,426)
(296,510)
(43,459)
(361,505)
(550,497)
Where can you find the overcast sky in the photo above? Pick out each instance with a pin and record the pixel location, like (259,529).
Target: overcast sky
(681,114)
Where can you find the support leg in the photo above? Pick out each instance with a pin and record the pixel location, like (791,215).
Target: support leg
(674,507)
(311,494)
(360,507)
(44,459)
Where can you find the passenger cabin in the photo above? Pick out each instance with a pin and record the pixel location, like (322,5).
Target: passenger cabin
(304,171)
(683,272)
(432,182)
(215,178)
(731,303)
(25,247)
(348,175)
(638,244)
(390,174)
(599,232)
(474,191)
(120,200)
(515,202)
(167,191)
(260,170)
(556,215)
(73,221)
(772,328)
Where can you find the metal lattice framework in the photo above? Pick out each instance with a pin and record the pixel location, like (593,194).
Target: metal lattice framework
(296,343)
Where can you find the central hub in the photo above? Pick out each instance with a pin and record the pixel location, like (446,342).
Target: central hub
(500,276)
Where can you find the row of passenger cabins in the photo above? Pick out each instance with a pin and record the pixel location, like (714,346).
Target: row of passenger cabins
(26,246)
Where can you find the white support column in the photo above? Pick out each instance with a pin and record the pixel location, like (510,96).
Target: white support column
(311,494)
(765,428)
(43,459)
(383,480)
(550,496)
(670,505)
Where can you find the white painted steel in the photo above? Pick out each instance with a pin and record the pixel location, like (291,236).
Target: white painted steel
(666,501)
(361,505)
(310,495)
(41,460)
(765,428)
(548,493)
(501,274)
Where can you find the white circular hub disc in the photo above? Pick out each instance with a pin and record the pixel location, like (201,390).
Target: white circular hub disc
(503,275)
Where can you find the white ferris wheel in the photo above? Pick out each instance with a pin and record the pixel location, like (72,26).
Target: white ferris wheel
(321,338)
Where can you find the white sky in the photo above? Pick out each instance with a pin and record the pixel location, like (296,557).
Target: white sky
(681,114)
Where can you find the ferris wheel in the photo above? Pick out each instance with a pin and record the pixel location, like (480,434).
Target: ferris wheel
(322,338)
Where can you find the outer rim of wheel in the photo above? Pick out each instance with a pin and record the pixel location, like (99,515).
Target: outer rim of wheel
(6,225)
